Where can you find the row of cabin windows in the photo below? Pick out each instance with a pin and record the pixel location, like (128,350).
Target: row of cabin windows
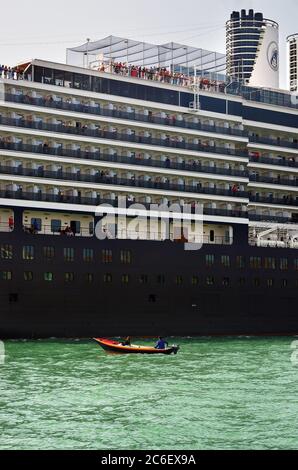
(144,279)
(254,262)
(28,254)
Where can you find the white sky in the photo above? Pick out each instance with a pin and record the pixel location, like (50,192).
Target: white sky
(44,29)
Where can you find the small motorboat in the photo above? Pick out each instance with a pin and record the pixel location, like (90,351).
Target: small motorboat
(118,347)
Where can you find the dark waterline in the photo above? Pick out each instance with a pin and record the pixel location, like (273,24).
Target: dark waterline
(217,393)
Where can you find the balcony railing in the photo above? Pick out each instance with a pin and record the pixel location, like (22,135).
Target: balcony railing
(281,161)
(114,180)
(131,116)
(102,134)
(272,180)
(277,142)
(167,164)
(95,201)
(284,201)
(66,231)
(271,218)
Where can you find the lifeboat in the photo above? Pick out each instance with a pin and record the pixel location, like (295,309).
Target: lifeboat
(118,347)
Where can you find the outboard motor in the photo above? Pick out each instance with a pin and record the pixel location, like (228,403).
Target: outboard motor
(175,348)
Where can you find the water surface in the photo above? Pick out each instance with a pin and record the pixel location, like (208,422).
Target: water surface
(215,394)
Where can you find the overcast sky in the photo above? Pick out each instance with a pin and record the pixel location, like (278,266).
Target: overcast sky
(44,29)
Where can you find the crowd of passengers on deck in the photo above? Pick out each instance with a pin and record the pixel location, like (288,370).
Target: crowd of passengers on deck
(11,73)
(158,74)
(161,74)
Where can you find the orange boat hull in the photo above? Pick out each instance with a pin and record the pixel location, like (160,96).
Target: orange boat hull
(115,346)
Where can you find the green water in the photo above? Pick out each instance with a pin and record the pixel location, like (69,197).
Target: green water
(216,394)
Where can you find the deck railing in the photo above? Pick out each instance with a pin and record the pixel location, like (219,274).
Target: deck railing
(84,131)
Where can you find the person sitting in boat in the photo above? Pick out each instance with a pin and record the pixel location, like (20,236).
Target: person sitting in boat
(126,342)
(161,343)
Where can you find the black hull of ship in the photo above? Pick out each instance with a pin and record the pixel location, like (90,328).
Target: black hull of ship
(40,309)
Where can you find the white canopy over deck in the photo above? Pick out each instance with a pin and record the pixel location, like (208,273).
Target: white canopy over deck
(172,55)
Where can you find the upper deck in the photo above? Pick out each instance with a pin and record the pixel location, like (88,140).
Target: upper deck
(161,86)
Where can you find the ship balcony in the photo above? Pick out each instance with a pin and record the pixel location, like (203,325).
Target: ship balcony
(287,162)
(276,199)
(45,197)
(169,163)
(275,180)
(272,218)
(110,110)
(124,135)
(133,181)
(284,145)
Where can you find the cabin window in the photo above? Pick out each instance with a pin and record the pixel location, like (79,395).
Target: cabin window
(226,282)
(28,276)
(89,277)
(210,260)
(5,275)
(107,278)
(283,264)
(68,254)
(88,255)
(179,280)
(91,228)
(48,277)
(255,262)
(225,261)
(75,226)
(269,263)
(48,252)
(240,262)
(69,277)
(194,280)
(143,279)
(36,224)
(161,279)
(241,281)
(125,279)
(227,237)
(6,251)
(284,283)
(55,226)
(296,264)
(270,282)
(107,256)
(212,236)
(210,280)
(28,253)
(125,256)
(256,282)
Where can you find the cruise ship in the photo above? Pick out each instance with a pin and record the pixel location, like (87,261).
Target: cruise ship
(77,137)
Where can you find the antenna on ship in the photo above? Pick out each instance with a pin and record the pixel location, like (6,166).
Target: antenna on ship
(87,53)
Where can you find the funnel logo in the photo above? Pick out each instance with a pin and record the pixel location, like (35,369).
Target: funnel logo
(272,55)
